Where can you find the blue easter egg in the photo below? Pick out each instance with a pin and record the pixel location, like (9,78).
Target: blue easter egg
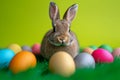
(6,56)
(84,60)
(26,48)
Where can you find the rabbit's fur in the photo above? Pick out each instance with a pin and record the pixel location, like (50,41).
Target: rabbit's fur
(60,38)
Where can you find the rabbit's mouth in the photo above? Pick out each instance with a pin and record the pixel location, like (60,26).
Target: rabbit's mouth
(60,44)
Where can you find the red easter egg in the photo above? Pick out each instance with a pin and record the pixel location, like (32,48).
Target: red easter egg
(102,56)
(36,49)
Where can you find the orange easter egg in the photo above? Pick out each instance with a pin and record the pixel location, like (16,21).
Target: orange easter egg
(22,61)
(88,50)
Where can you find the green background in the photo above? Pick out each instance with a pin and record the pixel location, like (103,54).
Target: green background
(26,21)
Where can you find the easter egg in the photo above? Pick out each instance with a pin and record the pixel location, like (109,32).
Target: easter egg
(93,47)
(6,56)
(22,61)
(84,60)
(36,48)
(116,52)
(106,47)
(102,56)
(88,50)
(62,63)
(15,47)
(26,48)
(81,50)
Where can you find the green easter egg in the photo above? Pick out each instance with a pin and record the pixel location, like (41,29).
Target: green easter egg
(81,50)
(107,47)
(93,47)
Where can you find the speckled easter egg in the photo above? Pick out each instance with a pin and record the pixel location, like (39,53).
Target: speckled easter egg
(22,61)
(84,60)
(15,47)
(36,48)
(116,52)
(102,56)
(26,48)
(6,56)
(107,47)
(62,63)
(88,50)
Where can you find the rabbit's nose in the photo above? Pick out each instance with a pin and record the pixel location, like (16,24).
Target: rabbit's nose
(61,40)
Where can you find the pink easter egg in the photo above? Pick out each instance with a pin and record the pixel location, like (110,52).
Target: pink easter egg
(102,56)
(36,48)
(116,52)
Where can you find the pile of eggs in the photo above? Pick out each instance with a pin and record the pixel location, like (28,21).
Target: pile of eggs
(18,58)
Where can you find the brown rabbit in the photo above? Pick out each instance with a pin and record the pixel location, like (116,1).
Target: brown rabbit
(60,38)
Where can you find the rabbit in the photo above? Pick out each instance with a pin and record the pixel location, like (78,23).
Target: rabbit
(60,38)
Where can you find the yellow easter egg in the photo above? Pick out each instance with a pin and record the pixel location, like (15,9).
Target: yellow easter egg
(62,63)
(22,61)
(15,47)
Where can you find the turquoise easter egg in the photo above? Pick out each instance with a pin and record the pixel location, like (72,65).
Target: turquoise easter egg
(6,56)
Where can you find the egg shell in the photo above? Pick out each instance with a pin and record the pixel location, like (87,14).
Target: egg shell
(36,48)
(15,47)
(106,47)
(84,60)
(93,47)
(88,50)
(116,52)
(102,56)
(22,61)
(6,56)
(26,48)
(62,63)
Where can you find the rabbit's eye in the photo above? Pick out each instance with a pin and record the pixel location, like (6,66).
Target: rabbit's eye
(69,30)
(54,30)
(53,27)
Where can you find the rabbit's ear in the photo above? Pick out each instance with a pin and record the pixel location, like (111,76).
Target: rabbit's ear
(53,11)
(71,12)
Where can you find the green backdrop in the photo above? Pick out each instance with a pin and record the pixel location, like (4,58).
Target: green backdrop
(26,21)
